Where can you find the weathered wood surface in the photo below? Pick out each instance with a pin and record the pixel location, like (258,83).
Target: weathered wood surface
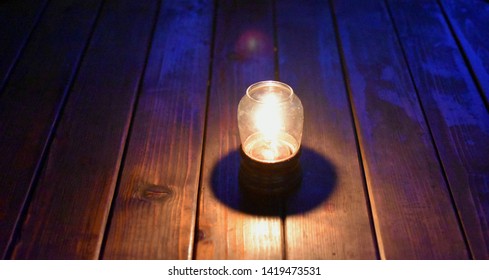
(154,214)
(31,101)
(469,21)
(329,217)
(410,199)
(119,138)
(67,216)
(455,111)
(230,226)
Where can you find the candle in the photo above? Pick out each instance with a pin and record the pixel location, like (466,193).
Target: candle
(270,121)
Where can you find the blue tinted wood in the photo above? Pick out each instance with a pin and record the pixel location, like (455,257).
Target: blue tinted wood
(455,111)
(469,20)
(412,208)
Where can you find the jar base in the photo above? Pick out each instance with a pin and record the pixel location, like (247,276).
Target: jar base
(270,178)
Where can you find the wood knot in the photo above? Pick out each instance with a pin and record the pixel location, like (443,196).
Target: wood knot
(200,235)
(154,193)
(203,238)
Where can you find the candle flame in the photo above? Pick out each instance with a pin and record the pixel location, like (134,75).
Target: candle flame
(268,118)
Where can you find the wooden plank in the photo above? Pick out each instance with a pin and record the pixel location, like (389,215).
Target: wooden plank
(154,214)
(469,21)
(230,226)
(67,216)
(412,209)
(455,111)
(331,204)
(17,19)
(32,100)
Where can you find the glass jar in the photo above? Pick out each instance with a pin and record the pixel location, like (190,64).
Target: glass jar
(270,122)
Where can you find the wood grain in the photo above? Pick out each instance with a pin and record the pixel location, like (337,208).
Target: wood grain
(229,225)
(331,206)
(154,214)
(32,100)
(18,19)
(67,216)
(455,111)
(118,133)
(469,21)
(412,209)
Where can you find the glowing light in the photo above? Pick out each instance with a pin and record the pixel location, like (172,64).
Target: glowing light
(268,120)
(268,117)
(261,228)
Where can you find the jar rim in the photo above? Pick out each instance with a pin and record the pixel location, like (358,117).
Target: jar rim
(270,83)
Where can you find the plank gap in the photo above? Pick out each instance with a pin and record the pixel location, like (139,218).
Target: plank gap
(197,233)
(373,222)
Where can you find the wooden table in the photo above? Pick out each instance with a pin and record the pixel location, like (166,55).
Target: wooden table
(118,130)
